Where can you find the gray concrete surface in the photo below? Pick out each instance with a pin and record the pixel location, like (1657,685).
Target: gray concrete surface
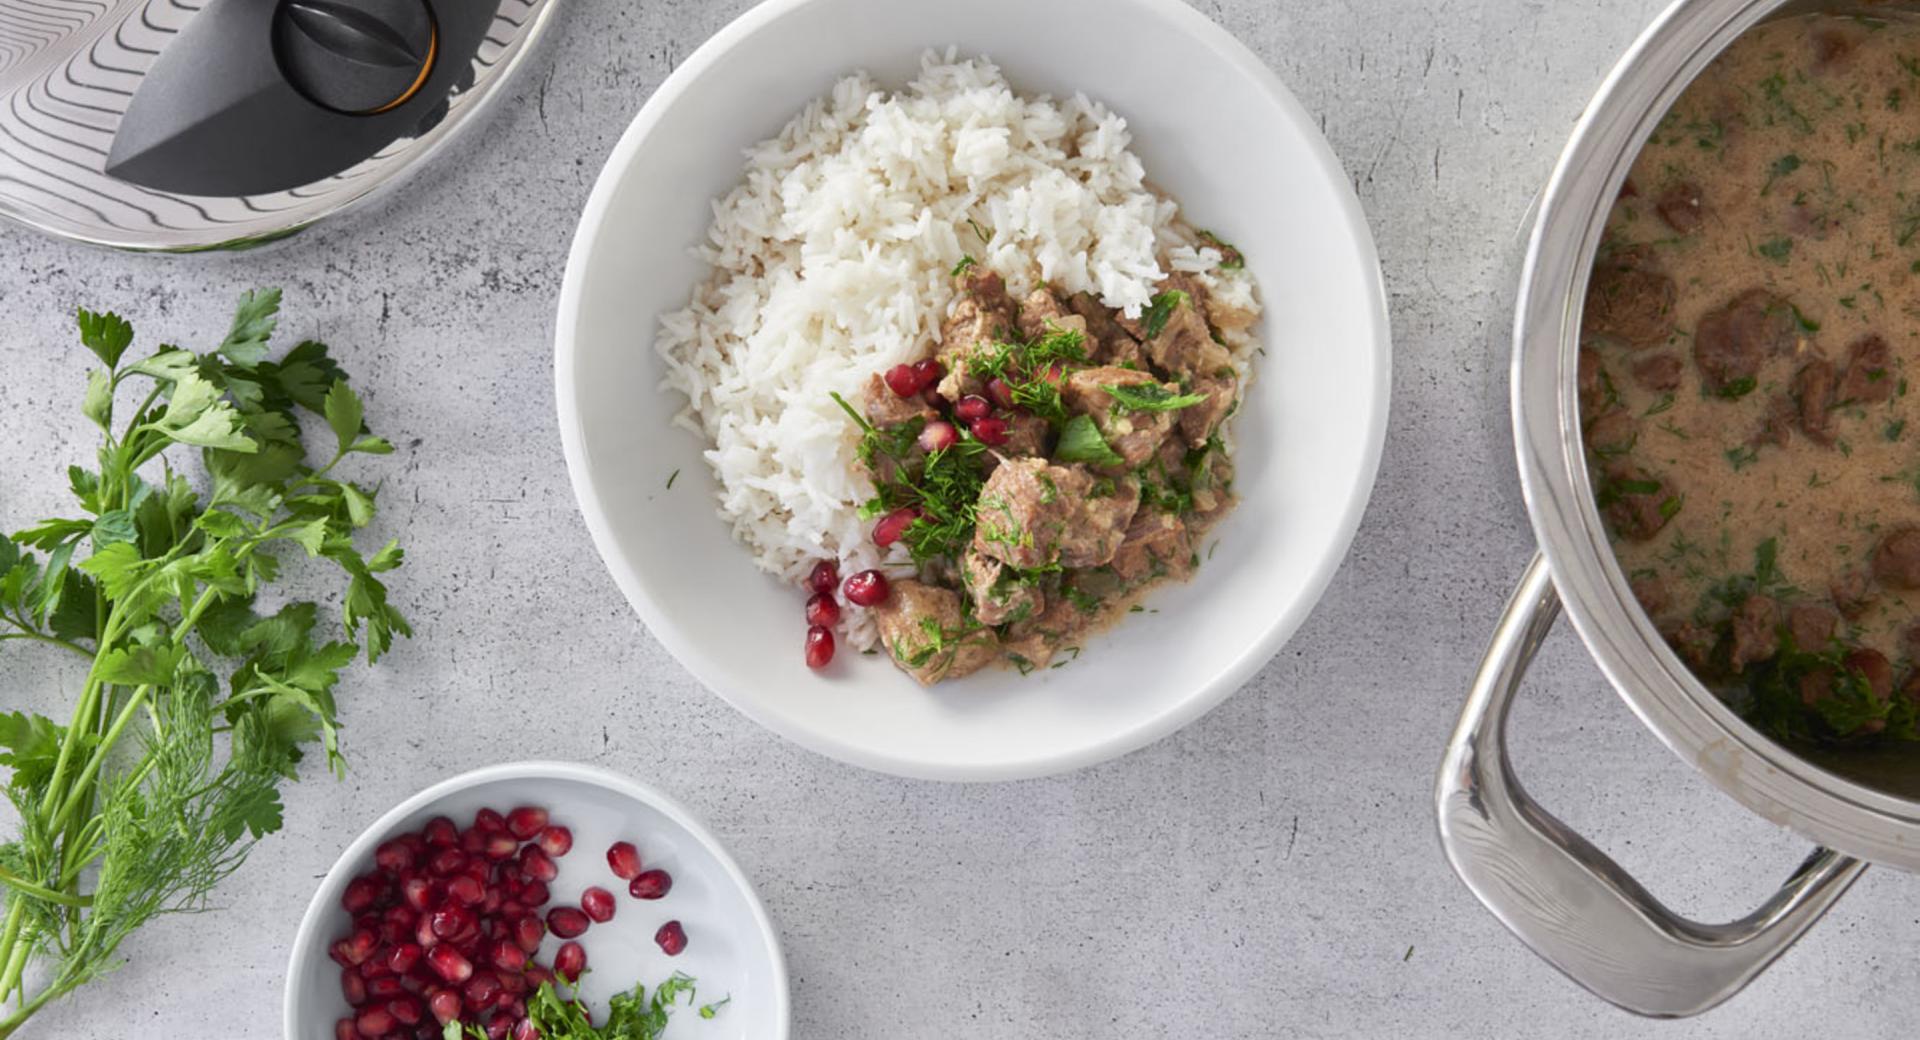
(1270,871)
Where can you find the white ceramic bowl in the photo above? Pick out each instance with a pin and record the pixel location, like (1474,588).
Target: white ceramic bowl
(732,949)
(1217,131)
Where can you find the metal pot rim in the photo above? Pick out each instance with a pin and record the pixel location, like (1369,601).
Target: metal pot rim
(1748,765)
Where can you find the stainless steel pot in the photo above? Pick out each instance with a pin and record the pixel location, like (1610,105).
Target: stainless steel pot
(1564,897)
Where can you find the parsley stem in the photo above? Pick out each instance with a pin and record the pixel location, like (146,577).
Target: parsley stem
(52,640)
(84,785)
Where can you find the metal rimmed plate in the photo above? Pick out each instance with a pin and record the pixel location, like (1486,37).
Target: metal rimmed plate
(69,68)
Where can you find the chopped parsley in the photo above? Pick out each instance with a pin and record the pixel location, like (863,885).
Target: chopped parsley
(1080,441)
(1230,258)
(1159,310)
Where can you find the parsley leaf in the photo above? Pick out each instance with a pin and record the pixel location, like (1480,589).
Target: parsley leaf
(1080,441)
(1159,310)
(1151,397)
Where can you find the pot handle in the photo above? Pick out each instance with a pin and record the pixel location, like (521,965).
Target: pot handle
(1564,897)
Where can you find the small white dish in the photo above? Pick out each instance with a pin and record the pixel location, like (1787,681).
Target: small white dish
(732,949)
(1218,132)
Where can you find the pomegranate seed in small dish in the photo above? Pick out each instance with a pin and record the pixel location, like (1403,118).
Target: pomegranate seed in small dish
(567,922)
(597,902)
(570,961)
(555,841)
(651,884)
(526,821)
(624,859)
(672,938)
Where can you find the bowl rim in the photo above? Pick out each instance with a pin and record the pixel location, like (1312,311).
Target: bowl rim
(306,942)
(1319,152)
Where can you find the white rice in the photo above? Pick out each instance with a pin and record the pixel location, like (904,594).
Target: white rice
(831,262)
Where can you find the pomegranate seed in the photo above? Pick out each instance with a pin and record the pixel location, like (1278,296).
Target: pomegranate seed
(991,431)
(972,407)
(819,647)
(525,1030)
(353,986)
(501,845)
(1056,372)
(534,893)
(672,938)
(497,1025)
(360,895)
(441,833)
(538,975)
(423,932)
(651,885)
(480,990)
(488,821)
(1000,391)
(865,589)
(393,857)
(598,903)
(451,920)
(374,1022)
(822,610)
(938,435)
(902,381)
(893,525)
(375,968)
(624,859)
(449,964)
(528,931)
(341,953)
(386,987)
(512,983)
(346,1030)
(555,841)
(535,864)
(570,961)
(405,1010)
(445,1005)
(526,821)
(403,957)
(824,576)
(420,893)
(447,862)
(928,372)
(360,945)
(473,841)
(567,922)
(465,891)
(508,956)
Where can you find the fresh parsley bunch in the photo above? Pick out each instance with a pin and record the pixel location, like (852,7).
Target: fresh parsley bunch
(630,1016)
(196,707)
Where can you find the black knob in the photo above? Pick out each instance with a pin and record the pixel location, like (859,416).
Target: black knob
(355,56)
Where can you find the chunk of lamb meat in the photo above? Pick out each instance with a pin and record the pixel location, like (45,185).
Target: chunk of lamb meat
(1635,502)
(1628,302)
(1896,561)
(1813,400)
(1811,626)
(928,636)
(1680,207)
(1042,313)
(1032,513)
(983,313)
(1107,342)
(1852,594)
(1156,545)
(1134,435)
(1198,422)
(1027,434)
(1730,344)
(1613,434)
(1869,379)
(996,598)
(1032,643)
(1776,425)
(886,408)
(1185,345)
(1659,373)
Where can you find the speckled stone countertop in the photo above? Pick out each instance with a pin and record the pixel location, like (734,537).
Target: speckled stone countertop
(1270,871)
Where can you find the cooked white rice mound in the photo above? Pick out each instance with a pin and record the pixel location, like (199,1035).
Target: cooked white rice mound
(831,262)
